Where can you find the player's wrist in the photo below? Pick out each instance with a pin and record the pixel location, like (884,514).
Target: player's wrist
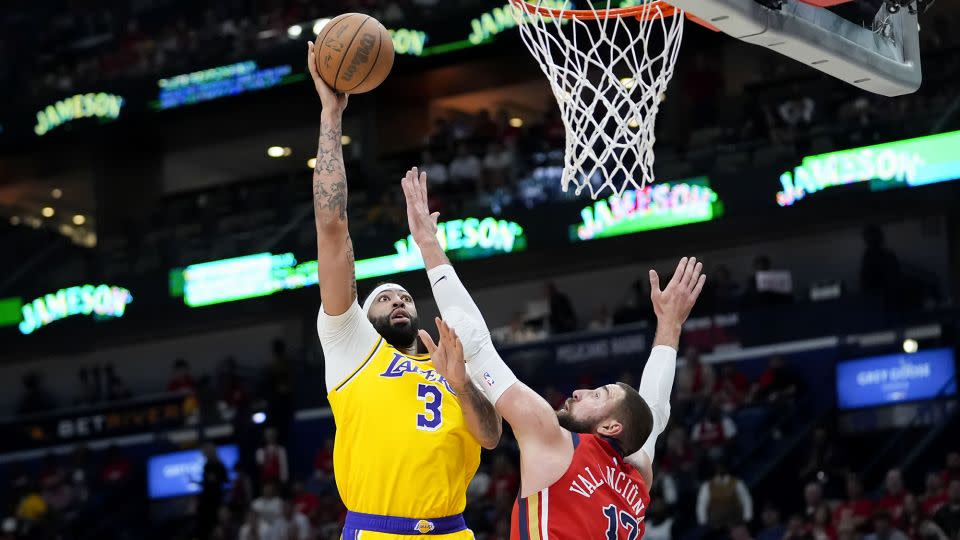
(668,333)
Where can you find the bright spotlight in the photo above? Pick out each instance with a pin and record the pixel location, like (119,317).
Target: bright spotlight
(345,140)
(56,193)
(628,82)
(14,220)
(259,417)
(294,31)
(278,151)
(79,219)
(910,346)
(516,122)
(312,163)
(47,212)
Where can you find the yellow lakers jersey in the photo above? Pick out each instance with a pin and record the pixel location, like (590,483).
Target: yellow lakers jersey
(402,445)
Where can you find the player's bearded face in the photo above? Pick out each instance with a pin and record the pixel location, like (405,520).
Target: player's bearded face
(582,412)
(396,321)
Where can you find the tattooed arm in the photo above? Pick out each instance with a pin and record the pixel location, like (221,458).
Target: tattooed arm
(338,284)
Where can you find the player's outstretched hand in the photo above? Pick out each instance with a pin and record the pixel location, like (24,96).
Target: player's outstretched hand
(673,304)
(448,356)
(423,223)
(332,102)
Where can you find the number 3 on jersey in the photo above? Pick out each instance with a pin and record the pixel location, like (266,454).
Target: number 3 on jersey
(613,523)
(432,398)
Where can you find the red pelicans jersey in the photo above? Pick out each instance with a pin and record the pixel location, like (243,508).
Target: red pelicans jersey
(599,497)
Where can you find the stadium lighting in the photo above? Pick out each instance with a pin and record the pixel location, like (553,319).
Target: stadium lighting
(294,31)
(79,219)
(14,220)
(516,122)
(278,151)
(259,417)
(312,162)
(910,346)
(628,82)
(319,24)
(345,140)
(47,212)
(633,123)
(56,193)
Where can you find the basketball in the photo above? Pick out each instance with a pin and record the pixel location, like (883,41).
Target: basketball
(354,53)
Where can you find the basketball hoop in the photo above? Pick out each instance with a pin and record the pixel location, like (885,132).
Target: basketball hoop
(608,69)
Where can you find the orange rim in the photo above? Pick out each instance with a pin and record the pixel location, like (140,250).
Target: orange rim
(646,12)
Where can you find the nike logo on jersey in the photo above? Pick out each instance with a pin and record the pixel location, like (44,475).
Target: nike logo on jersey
(400,365)
(439,280)
(587,483)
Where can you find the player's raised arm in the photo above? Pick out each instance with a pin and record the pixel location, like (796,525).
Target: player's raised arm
(672,306)
(456,305)
(338,284)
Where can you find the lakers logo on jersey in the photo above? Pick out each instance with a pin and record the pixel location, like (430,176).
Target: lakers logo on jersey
(400,365)
(424,526)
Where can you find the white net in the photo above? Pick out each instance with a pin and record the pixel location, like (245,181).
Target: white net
(609,74)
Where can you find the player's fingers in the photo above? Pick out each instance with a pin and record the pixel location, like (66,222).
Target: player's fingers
(695,278)
(688,272)
(699,286)
(654,283)
(458,348)
(423,184)
(311,64)
(427,341)
(678,274)
(435,216)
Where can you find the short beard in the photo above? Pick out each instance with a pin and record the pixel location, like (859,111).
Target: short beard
(400,336)
(568,422)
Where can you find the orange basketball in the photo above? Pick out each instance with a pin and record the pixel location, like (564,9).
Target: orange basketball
(354,53)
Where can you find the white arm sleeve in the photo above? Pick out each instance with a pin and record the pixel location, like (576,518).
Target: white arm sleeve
(655,387)
(346,340)
(487,370)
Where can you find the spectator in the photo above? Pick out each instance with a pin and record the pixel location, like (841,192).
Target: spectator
(812,498)
(465,169)
(504,479)
(497,165)
(948,516)
(637,306)
(659,521)
(883,528)
(439,138)
(894,493)
(35,398)
(766,287)
(254,528)
(182,380)
(820,527)
(562,318)
(694,380)
(713,432)
(485,129)
(306,503)
(291,525)
(117,389)
(880,274)
(281,390)
(226,527)
(722,292)
(601,319)
(772,526)
(31,507)
(89,388)
(479,488)
(117,471)
(437,173)
(777,384)
(856,509)
(723,501)
(797,530)
(821,458)
(912,519)
(952,470)
(268,506)
(211,492)
(238,500)
(679,456)
(272,459)
(731,388)
(934,496)
(323,461)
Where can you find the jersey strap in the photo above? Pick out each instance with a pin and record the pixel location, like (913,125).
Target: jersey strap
(357,521)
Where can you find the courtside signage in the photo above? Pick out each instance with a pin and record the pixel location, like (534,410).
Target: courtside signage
(906,163)
(896,378)
(264,274)
(100,105)
(499,19)
(99,301)
(657,206)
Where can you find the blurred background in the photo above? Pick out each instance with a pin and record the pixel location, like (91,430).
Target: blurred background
(158,291)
